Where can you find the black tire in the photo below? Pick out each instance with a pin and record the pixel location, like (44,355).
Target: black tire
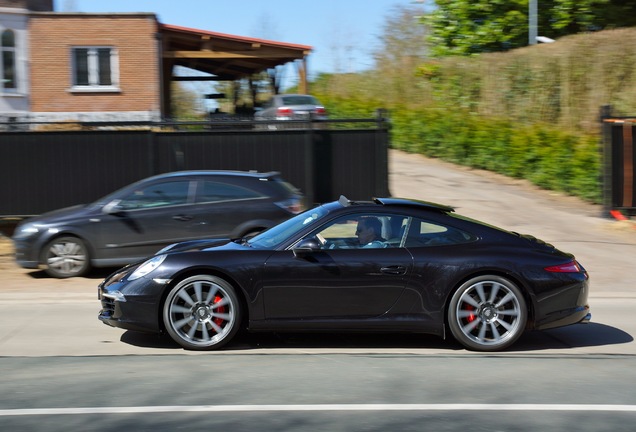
(202,312)
(66,257)
(487,313)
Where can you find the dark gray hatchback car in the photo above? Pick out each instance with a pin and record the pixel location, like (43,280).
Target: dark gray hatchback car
(139,219)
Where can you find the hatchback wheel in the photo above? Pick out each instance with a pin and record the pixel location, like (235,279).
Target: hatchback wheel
(202,312)
(487,313)
(66,257)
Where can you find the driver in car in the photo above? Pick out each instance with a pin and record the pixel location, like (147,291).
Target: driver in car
(369,232)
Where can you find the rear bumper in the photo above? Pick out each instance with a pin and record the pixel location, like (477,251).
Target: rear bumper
(577,315)
(565,305)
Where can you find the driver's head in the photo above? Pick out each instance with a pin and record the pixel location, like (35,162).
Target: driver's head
(369,229)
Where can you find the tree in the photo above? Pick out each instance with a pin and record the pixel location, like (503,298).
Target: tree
(185,103)
(402,49)
(465,27)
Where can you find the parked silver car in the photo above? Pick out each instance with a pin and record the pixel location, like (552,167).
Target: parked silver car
(285,107)
(138,220)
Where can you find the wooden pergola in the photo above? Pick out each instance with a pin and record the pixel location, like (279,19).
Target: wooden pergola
(225,57)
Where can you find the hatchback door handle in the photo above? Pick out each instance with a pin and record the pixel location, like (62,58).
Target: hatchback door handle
(394,270)
(182,218)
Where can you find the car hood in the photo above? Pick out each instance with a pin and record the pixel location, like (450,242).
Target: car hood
(195,245)
(62,215)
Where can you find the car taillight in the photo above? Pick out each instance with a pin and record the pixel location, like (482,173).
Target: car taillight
(284,111)
(321,111)
(292,205)
(570,267)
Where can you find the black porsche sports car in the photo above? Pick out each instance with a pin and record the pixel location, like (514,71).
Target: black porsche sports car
(389,265)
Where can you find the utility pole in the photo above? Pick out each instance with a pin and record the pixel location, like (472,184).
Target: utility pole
(532,24)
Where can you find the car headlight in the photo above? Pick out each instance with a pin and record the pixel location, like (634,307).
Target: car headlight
(26,230)
(147,267)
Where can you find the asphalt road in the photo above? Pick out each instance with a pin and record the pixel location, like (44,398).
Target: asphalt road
(63,370)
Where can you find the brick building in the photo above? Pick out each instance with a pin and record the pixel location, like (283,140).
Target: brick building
(116,66)
(112,73)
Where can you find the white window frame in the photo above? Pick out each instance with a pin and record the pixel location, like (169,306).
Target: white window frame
(93,70)
(14,50)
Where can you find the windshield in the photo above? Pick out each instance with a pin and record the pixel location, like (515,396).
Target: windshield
(275,236)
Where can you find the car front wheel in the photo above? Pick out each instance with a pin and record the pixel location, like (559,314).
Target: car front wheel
(66,257)
(487,313)
(202,312)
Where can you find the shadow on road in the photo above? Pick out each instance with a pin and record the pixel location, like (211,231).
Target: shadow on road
(575,336)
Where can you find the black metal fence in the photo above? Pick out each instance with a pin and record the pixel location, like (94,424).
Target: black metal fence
(619,160)
(46,170)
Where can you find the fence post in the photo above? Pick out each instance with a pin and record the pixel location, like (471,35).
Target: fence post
(381,152)
(310,157)
(606,158)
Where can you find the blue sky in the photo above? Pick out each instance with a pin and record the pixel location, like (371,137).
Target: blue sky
(343,33)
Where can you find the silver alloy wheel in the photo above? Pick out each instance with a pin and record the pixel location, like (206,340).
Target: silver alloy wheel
(202,312)
(487,313)
(66,257)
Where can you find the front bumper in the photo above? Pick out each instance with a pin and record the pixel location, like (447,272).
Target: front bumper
(131,305)
(26,253)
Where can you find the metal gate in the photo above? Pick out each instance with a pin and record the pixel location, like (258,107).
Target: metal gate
(619,160)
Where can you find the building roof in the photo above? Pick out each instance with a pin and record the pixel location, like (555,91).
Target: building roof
(225,57)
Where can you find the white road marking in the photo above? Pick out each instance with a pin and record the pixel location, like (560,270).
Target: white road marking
(320,407)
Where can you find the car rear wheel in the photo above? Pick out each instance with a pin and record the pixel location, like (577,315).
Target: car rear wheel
(487,313)
(202,312)
(66,257)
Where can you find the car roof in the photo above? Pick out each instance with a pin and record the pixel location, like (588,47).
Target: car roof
(226,173)
(402,202)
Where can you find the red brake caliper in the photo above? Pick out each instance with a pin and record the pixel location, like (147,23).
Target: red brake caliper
(471,317)
(218,321)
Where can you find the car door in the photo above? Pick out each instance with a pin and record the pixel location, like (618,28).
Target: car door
(147,219)
(345,282)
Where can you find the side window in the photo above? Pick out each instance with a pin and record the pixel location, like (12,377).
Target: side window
(212,191)
(363,231)
(424,233)
(157,195)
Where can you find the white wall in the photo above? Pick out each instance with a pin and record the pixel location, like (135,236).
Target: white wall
(16,104)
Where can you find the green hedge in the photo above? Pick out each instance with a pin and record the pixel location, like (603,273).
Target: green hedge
(541,153)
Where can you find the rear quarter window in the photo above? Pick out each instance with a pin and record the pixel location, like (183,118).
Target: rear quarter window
(215,191)
(424,233)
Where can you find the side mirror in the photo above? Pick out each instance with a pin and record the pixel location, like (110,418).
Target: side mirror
(306,246)
(112,207)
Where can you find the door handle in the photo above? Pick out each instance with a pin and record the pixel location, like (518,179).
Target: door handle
(182,218)
(393,270)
